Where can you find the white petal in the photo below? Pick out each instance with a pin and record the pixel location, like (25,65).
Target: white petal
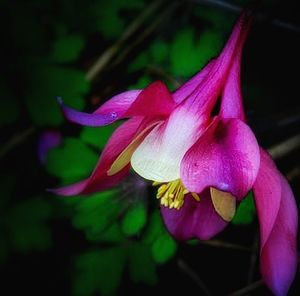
(159,156)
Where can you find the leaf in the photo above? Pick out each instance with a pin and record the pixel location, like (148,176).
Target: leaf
(98,137)
(154,228)
(72,161)
(67,48)
(47,82)
(182,53)
(141,265)
(27,225)
(246,211)
(217,19)
(9,108)
(164,248)
(99,271)
(209,46)
(108,19)
(134,219)
(142,82)
(110,15)
(97,213)
(187,56)
(113,234)
(159,51)
(140,62)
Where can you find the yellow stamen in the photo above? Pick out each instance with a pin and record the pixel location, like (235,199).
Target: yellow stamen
(172,194)
(195,196)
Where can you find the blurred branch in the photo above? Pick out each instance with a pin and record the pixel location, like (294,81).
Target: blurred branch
(282,149)
(16,140)
(253,258)
(259,15)
(248,289)
(158,19)
(109,53)
(193,275)
(293,173)
(222,244)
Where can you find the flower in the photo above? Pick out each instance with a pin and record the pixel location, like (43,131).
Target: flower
(48,139)
(204,165)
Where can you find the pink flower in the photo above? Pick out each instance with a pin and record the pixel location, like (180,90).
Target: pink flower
(47,140)
(203,165)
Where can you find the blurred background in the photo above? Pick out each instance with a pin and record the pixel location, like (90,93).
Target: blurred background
(86,51)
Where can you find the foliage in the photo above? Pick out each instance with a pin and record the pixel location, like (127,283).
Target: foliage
(246,211)
(52,44)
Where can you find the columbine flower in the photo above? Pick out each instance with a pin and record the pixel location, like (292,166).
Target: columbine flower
(48,139)
(203,165)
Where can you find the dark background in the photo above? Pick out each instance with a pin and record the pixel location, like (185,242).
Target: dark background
(47,49)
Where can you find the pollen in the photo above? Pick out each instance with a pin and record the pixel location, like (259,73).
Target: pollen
(172,194)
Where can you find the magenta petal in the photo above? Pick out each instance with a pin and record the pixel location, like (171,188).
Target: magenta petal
(194,219)
(72,189)
(278,217)
(232,102)
(109,112)
(154,100)
(267,191)
(204,97)
(187,88)
(99,180)
(232,105)
(226,157)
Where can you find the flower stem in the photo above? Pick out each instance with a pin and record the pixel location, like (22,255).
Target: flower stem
(284,148)
(194,276)
(247,289)
(110,52)
(16,140)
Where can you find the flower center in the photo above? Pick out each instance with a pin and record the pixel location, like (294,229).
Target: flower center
(172,194)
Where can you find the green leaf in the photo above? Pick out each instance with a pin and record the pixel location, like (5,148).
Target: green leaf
(110,16)
(27,225)
(135,219)
(46,82)
(217,19)
(108,19)
(9,107)
(99,271)
(140,62)
(164,248)
(188,56)
(97,213)
(98,137)
(156,54)
(159,51)
(246,211)
(209,46)
(72,161)
(154,228)
(141,265)
(142,82)
(67,48)
(182,53)
(113,234)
